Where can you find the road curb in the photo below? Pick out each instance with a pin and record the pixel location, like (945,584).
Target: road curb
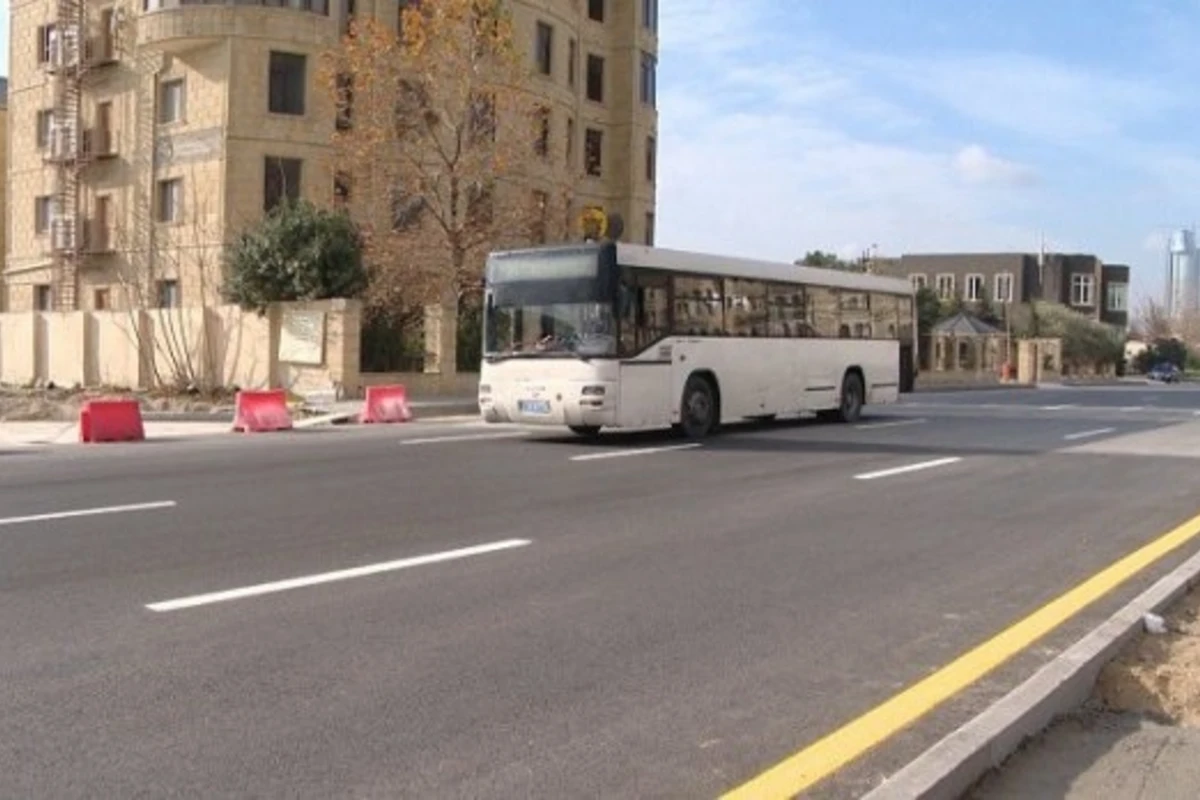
(971,387)
(956,763)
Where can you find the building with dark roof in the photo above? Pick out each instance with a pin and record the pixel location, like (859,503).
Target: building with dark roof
(1080,281)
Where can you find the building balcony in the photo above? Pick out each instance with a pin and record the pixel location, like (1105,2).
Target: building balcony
(100,143)
(98,237)
(175,26)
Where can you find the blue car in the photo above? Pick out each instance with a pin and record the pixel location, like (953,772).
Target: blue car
(1167,373)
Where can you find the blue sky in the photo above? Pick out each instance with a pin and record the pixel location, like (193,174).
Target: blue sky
(932,125)
(938,125)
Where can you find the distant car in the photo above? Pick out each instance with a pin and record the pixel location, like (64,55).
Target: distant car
(1167,373)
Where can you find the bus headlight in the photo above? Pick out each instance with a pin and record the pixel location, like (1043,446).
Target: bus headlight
(593,391)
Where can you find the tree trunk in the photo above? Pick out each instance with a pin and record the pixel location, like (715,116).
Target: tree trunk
(441,321)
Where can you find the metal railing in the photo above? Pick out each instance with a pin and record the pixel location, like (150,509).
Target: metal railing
(320,7)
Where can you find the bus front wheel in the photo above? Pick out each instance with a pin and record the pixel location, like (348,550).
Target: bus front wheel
(698,413)
(852,398)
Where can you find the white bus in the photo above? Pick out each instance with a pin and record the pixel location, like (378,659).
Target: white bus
(612,335)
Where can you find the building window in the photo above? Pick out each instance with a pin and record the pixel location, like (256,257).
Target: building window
(168,294)
(593,152)
(541,131)
(345,102)
(651,158)
(1004,287)
(47,37)
(170,200)
(1083,290)
(649,80)
(595,78)
(170,101)
(43,298)
(650,15)
(281,181)
(649,229)
(570,142)
(42,208)
(287,79)
(101,300)
(572,62)
(544,50)
(402,5)
(341,190)
(918,281)
(596,10)
(945,286)
(1118,297)
(406,209)
(45,120)
(537,226)
(974,288)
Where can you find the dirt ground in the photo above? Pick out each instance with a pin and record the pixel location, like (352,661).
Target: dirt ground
(20,404)
(1159,674)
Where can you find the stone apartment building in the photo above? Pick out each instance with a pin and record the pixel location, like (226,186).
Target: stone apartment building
(1081,282)
(147,132)
(3,169)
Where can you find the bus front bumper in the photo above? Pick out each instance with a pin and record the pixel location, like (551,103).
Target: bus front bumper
(571,405)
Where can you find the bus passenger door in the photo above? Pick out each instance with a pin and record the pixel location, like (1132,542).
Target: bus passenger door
(645,381)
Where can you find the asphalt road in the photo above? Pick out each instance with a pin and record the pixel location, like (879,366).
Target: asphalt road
(652,619)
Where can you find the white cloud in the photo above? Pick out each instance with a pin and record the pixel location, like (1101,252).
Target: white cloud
(776,138)
(975,164)
(773,158)
(1045,100)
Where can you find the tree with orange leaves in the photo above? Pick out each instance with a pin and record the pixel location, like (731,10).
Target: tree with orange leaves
(440,155)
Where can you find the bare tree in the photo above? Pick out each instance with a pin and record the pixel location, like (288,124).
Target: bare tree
(151,271)
(1152,322)
(441,152)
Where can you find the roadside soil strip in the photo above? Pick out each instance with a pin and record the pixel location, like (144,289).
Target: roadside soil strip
(1138,734)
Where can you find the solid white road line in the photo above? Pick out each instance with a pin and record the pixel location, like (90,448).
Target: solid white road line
(1133,408)
(465,437)
(1059,408)
(867,426)
(1070,437)
(642,451)
(887,473)
(87,512)
(340,575)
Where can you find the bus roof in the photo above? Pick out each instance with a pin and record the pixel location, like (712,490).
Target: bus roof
(636,255)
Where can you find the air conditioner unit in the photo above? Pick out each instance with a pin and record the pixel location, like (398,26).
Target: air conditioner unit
(62,233)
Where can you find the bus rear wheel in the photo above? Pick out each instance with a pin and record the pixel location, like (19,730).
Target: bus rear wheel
(590,431)
(698,412)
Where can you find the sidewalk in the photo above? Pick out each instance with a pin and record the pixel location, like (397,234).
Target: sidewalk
(30,434)
(1138,736)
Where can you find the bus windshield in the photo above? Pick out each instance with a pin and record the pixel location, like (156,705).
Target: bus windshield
(582,329)
(553,302)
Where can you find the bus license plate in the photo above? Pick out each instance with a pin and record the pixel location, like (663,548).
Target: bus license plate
(533,406)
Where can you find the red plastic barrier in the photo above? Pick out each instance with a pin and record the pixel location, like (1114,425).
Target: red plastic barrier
(386,404)
(111,421)
(260,411)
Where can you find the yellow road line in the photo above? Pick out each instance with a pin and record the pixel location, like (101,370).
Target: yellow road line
(824,757)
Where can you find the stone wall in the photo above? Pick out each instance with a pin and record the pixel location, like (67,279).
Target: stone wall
(303,347)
